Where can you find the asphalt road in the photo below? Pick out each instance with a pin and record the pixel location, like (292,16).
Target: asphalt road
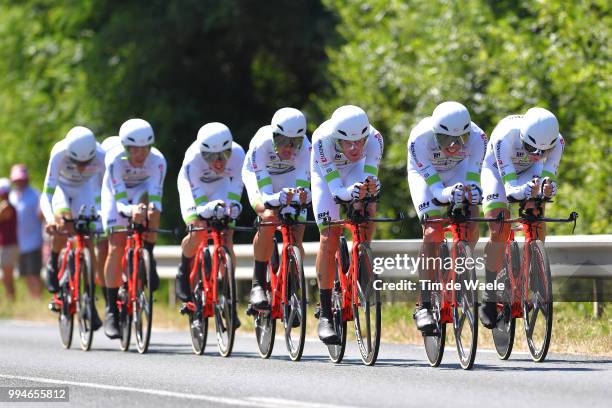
(170,375)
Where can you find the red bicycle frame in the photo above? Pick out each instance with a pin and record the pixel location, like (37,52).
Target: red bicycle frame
(133,244)
(73,281)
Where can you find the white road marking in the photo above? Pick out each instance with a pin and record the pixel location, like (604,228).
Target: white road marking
(247,401)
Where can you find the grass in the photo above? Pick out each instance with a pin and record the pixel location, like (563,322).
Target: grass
(574,328)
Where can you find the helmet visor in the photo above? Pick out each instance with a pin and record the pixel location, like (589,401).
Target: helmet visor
(446,141)
(286,141)
(344,145)
(81,163)
(534,151)
(210,157)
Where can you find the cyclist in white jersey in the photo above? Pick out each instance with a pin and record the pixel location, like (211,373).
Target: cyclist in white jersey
(445,153)
(132,187)
(521,162)
(73,179)
(276,163)
(344,164)
(210,186)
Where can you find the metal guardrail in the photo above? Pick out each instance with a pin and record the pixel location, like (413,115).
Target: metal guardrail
(579,256)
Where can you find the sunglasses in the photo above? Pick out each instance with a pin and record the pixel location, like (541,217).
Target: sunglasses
(81,163)
(534,150)
(210,157)
(282,141)
(446,140)
(351,145)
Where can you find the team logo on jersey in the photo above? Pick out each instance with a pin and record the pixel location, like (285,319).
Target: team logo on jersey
(492,197)
(424,205)
(321,154)
(436,155)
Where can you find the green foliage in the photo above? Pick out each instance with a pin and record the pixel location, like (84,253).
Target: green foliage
(398,60)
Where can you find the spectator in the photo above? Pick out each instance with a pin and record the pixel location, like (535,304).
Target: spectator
(29,228)
(8,238)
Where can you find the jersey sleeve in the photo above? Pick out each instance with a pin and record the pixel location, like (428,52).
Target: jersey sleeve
(419,158)
(553,159)
(157,172)
(236,162)
(478,146)
(373,153)
(114,167)
(50,184)
(505,167)
(302,165)
(96,180)
(324,160)
(260,153)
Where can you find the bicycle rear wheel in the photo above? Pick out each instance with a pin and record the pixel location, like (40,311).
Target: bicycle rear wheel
(294,312)
(503,332)
(86,298)
(66,318)
(198,324)
(538,306)
(465,311)
(434,345)
(265,327)
(143,304)
(336,351)
(225,309)
(367,307)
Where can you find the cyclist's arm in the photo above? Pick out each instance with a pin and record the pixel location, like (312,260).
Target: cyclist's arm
(323,150)
(234,193)
(50,184)
(419,157)
(114,170)
(507,171)
(477,145)
(189,173)
(259,160)
(96,180)
(302,165)
(373,153)
(552,160)
(157,174)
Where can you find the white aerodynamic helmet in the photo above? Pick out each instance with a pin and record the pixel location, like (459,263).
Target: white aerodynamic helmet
(81,144)
(214,137)
(350,122)
(540,129)
(289,122)
(110,142)
(451,119)
(136,132)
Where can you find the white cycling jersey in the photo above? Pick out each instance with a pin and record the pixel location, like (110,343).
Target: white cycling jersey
(67,188)
(124,184)
(333,173)
(198,184)
(430,170)
(265,173)
(508,166)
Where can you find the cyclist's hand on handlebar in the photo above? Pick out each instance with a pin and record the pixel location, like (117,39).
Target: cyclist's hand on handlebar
(373,184)
(139,213)
(454,194)
(215,208)
(51,228)
(285,196)
(548,188)
(473,194)
(357,191)
(234,210)
(304,195)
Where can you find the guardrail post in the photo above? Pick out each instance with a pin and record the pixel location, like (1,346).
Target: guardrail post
(597,298)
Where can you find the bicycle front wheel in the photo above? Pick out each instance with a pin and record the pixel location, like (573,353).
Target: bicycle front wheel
(367,307)
(198,324)
(143,304)
(265,327)
(465,310)
(85,302)
(336,351)
(503,332)
(538,303)
(66,318)
(225,309)
(434,344)
(294,311)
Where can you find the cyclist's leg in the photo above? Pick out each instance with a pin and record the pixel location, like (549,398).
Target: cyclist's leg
(433,235)
(298,236)
(324,207)
(60,203)
(494,203)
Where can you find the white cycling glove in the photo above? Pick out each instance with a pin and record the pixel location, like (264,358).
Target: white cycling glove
(452,194)
(475,194)
(284,196)
(215,208)
(523,192)
(308,195)
(235,208)
(354,190)
(553,184)
(124,209)
(376,180)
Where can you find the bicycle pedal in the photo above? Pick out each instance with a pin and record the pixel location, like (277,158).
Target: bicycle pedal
(187,308)
(317,313)
(54,307)
(250,311)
